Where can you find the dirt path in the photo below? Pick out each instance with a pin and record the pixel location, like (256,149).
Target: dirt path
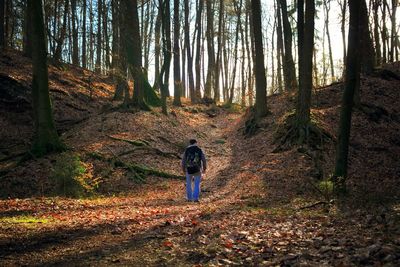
(248,215)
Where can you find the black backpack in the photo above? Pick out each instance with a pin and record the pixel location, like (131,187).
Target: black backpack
(193,155)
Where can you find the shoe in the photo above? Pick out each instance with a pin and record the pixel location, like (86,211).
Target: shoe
(196,200)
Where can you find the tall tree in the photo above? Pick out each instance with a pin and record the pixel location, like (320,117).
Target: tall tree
(288,63)
(305,27)
(377,40)
(164,5)
(367,46)
(84,56)
(189,54)
(198,46)
(219,48)
(261,82)
(249,54)
(279,47)
(177,66)
(210,50)
(27,34)
(133,51)
(351,82)
(157,50)
(343,8)
(327,8)
(60,41)
(2,23)
(238,10)
(46,138)
(393,35)
(106,43)
(75,48)
(99,45)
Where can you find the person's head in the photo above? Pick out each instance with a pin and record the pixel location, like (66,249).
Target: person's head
(192,141)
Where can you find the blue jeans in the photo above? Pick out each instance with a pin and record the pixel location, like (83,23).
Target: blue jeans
(193,194)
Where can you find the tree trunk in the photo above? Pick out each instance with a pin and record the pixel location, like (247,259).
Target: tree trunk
(177,60)
(217,65)
(288,65)
(99,46)
(45,138)
(249,54)
(91,34)
(261,82)
(106,42)
(393,34)
(376,32)
(75,48)
(384,34)
(189,54)
(198,46)
(131,37)
(279,48)
(327,6)
(351,81)
(2,23)
(164,5)
(60,41)
(210,49)
(27,38)
(157,51)
(238,9)
(367,46)
(343,7)
(84,57)
(305,26)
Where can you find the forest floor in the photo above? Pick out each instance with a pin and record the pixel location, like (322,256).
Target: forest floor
(258,207)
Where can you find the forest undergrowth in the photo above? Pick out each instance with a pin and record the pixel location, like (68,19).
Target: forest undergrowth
(259,206)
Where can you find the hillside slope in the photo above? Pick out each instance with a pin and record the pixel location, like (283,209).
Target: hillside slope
(258,207)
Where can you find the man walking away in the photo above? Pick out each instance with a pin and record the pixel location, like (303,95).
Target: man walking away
(193,165)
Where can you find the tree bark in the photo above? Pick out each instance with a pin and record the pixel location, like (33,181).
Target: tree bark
(217,65)
(157,51)
(343,7)
(84,56)
(133,51)
(2,23)
(75,48)
(288,65)
(198,46)
(210,49)
(106,42)
(261,82)
(45,138)
(375,7)
(351,81)
(327,6)
(27,34)
(60,41)
(305,26)
(177,66)
(99,45)
(189,54)
(238,9)
(279,48)
(367,46)
(393,34)
(164,5)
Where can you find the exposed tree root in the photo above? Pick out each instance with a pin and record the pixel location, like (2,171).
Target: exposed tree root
(313,205)
(143,145)
(137,172)
(139,142)
(290,133)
